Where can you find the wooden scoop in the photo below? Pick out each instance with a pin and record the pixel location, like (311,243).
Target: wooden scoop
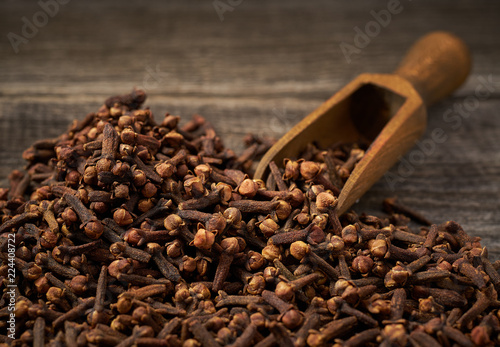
(387,110)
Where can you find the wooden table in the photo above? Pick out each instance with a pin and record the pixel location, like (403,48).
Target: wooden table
(259,67)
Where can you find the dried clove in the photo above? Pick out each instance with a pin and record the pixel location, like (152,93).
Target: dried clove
(130,232)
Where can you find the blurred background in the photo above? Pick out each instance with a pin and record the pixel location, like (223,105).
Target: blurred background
(259,66)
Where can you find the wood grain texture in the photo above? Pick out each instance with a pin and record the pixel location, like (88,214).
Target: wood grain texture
(263,68)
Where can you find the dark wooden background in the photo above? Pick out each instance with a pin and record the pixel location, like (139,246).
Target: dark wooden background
(261,69)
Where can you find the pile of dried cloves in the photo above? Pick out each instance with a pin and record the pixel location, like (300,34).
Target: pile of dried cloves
(128,232)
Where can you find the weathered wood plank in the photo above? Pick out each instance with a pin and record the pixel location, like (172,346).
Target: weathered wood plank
(260,70)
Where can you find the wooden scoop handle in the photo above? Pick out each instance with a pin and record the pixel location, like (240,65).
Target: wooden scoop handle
(436,65)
